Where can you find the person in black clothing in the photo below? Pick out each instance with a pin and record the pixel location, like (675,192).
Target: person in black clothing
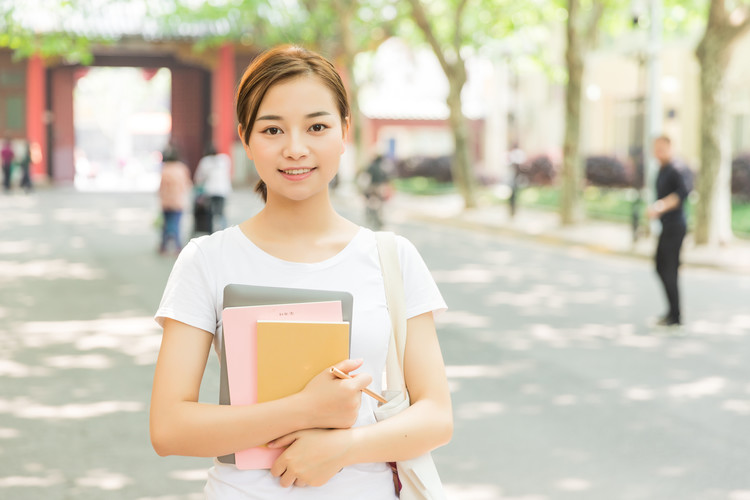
(668,207)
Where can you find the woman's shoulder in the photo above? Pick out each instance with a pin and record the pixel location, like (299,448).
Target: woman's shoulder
(210,243)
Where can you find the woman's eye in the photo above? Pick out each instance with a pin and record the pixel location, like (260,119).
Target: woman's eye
(318,127)
(272,131)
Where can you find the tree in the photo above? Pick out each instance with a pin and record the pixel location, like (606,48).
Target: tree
(581,30)
(448,53)
(723,28)
(26,42)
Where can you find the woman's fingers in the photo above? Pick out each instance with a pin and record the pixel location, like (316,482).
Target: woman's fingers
(349,365)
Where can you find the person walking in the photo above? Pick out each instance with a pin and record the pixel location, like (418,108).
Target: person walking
(376,186)
(671,193)
(173,193)
(25,165)
(294,120)
(7,155)
(214,179)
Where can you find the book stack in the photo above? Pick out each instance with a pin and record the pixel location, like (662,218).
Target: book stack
(275,340)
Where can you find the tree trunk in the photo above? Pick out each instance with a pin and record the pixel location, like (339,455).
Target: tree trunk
(713,212)
(347,10)
(454,68)
(571,171)
(461,167)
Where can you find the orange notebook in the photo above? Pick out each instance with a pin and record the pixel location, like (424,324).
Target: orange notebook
(291,353)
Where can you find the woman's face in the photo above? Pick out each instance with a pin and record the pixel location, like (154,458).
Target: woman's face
(297,139)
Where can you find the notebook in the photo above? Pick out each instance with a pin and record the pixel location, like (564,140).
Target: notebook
(291,353)
(240,339)
(237,295)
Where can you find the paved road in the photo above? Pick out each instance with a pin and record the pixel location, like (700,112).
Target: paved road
(560,389)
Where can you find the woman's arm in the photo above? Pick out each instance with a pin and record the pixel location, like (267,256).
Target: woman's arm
(182,426)
(315,456)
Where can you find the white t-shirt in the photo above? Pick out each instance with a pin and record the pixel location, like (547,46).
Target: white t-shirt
(194,295)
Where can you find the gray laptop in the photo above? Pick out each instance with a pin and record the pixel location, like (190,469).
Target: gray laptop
(249,295)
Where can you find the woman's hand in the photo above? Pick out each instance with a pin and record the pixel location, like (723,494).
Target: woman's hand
(314,456)
(335,403)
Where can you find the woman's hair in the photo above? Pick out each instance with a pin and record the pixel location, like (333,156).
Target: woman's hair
(277,65)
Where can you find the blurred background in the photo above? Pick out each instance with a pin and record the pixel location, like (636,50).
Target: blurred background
(516,137)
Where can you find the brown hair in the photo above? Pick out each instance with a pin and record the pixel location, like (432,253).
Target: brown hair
(274,66)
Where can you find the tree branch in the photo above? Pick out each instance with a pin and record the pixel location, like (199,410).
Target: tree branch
(457,21)
(420,17)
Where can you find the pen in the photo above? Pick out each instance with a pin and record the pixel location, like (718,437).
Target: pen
(367,391)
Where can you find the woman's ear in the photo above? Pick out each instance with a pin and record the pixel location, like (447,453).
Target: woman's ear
(345,126)
(244,145)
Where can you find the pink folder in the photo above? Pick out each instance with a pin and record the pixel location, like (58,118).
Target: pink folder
(240,338)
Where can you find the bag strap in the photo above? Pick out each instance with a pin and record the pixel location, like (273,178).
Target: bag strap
(396,302)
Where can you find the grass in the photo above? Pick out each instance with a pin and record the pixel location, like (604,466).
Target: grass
(423,186)
(613,204)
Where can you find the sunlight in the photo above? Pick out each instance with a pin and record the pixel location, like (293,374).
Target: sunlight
(639,393)
(8,433)
(708,386)
(479,409)
(104,480)
(573,484)
(48,270)
(32,481)
(10,368)
(16,247)
(190,475)
(192,496)
(741,407)
(565,400)
(465,275)
(736,327)
(25,408)
(487,371)
(87,361)
(672,471)
(463,319)
(138,337)
(480,492)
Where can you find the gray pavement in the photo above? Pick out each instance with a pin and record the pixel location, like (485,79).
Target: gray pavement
(560,389)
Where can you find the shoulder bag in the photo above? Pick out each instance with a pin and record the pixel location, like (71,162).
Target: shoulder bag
(418,476)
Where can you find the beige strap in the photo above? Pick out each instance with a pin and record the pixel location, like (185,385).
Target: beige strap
(395,299)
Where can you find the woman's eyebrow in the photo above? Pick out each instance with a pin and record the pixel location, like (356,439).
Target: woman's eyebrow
(309,115)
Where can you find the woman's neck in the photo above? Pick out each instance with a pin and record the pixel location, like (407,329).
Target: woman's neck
(310,218)
(307,231)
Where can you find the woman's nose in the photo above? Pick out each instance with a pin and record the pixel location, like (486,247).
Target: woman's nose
(296,147)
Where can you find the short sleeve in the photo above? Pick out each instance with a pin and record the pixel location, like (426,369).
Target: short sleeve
(678,185)
(421,291)
(189,296)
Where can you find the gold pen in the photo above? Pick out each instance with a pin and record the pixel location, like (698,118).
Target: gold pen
(338,373)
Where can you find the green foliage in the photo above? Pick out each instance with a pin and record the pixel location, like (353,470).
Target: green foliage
(25,43)
(423,186)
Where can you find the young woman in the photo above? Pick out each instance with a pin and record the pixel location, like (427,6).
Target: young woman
(293,121)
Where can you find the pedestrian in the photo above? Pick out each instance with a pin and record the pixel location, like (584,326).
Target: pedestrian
(213,178)
(376,187)
(671,193)
(25,164)
(294,120)
(516,157)
(7,155)
(173,193)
